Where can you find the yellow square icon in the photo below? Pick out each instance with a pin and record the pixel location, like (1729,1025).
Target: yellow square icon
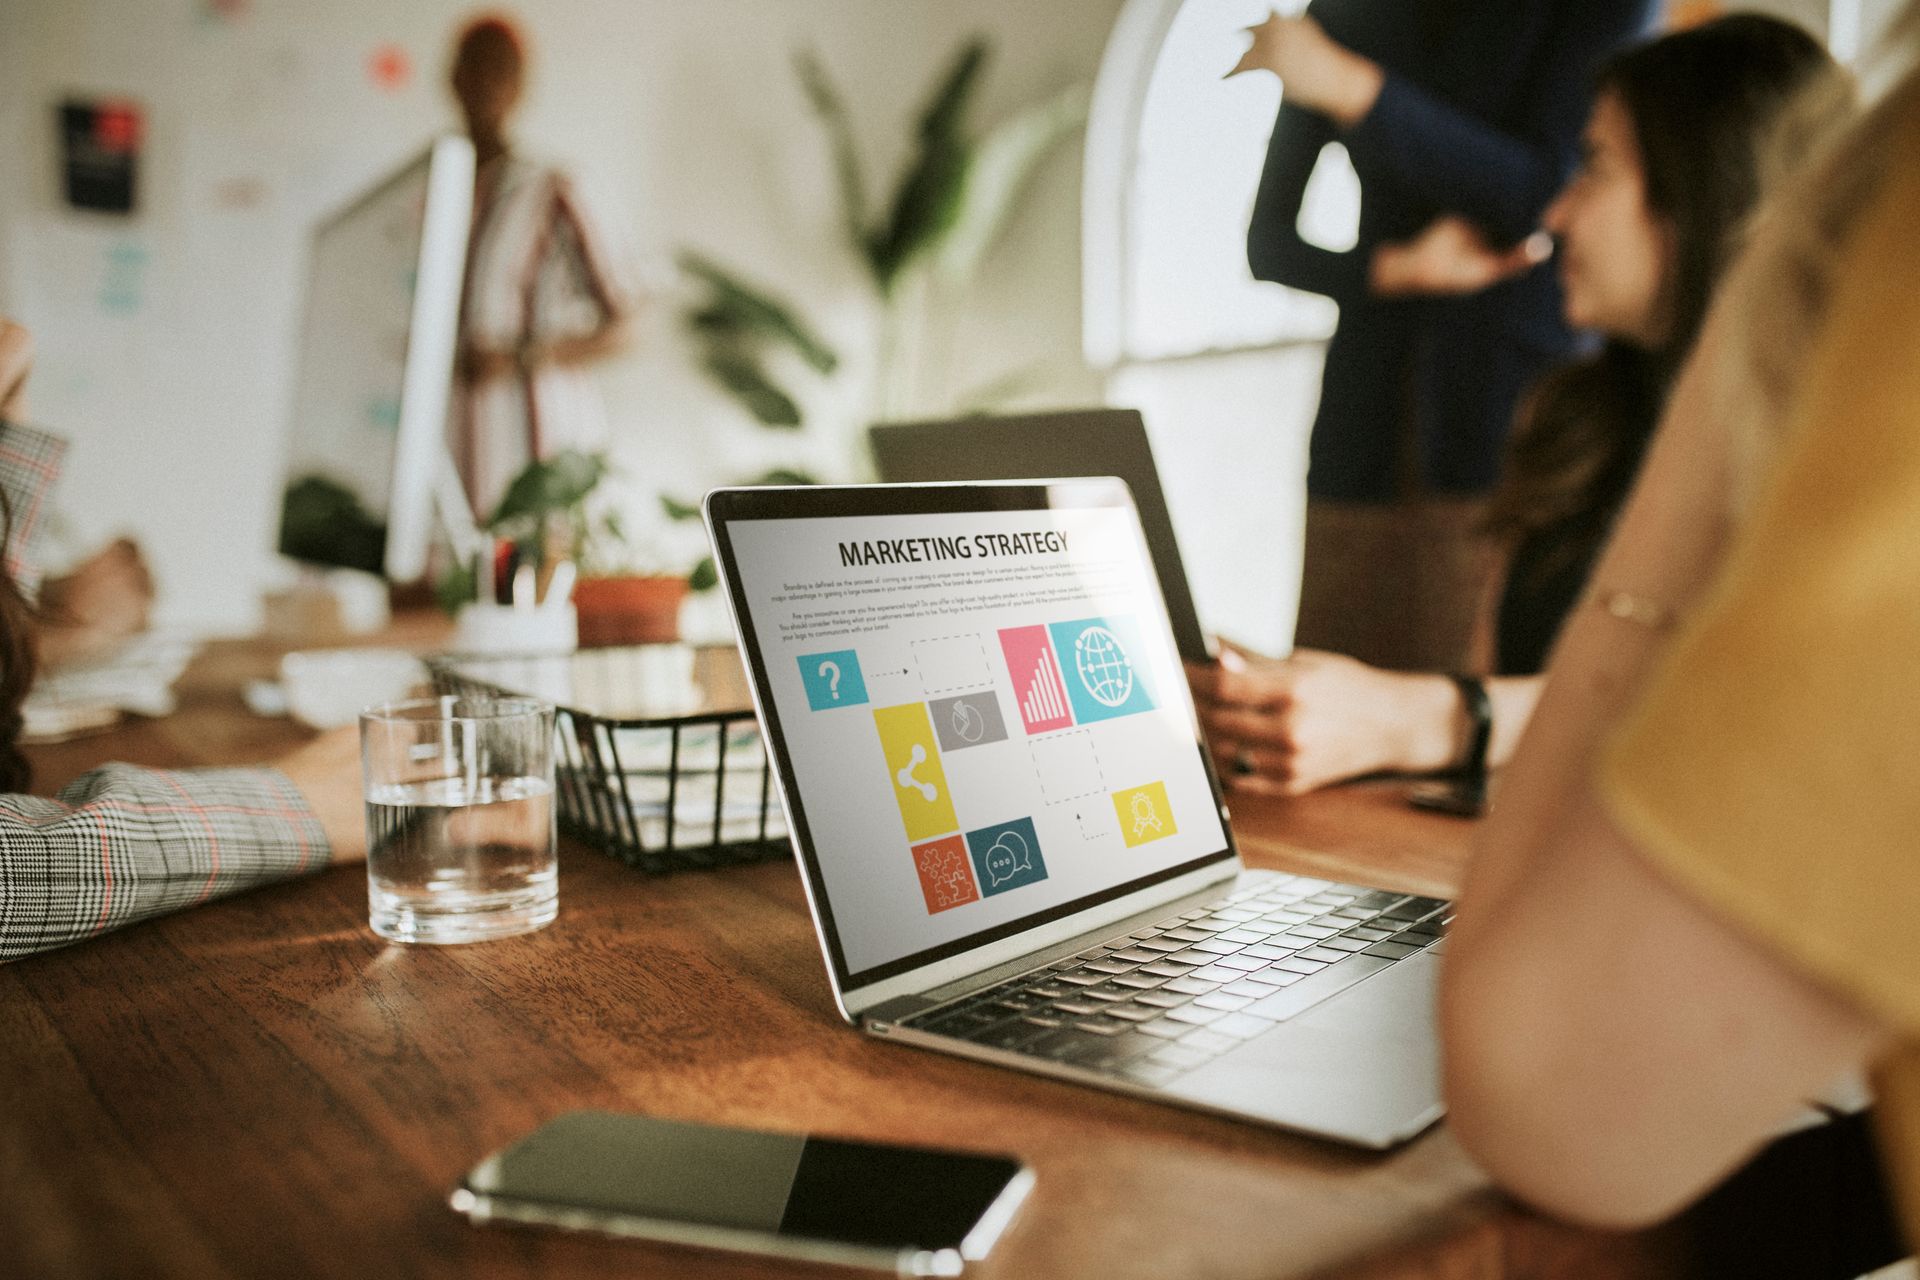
(1145,815)
(913,770)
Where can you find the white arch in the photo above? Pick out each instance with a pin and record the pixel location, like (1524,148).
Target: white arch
(1113,136)
(1170,152)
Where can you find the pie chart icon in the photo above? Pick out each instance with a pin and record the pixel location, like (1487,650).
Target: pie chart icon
(968,722)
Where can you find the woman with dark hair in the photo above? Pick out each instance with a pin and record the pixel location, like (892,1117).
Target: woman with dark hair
(1673,159)
(1458,115)
(1693,909)
(124,843)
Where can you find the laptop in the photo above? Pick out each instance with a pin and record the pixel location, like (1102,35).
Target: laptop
(1092,442)
(1013,845)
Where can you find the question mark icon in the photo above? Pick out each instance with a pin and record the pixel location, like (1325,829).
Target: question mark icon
(831,670)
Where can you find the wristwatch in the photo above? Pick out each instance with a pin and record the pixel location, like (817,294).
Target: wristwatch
(1472,769)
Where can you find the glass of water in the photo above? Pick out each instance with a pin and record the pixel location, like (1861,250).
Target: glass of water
(460,837)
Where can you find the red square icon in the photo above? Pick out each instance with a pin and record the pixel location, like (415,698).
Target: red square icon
(946,874)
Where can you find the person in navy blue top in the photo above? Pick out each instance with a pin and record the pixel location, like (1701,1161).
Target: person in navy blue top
(1470,108)
(1685,132)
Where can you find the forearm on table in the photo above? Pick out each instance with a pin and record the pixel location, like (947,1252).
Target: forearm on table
(1513,698)
(123,844)
(1436,724)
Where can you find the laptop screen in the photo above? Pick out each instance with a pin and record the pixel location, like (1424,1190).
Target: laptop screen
(1096,442)
(976,703)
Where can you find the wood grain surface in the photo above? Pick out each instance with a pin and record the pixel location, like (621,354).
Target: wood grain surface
(261,1087)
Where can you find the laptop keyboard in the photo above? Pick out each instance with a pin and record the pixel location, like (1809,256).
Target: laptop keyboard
(1150,1005)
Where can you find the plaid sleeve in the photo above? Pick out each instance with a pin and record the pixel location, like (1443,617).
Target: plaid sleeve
(30,461)
(123,843)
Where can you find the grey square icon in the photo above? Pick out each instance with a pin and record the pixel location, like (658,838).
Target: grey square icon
(970,720)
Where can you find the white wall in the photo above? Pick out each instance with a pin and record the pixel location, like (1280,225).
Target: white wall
(683,115)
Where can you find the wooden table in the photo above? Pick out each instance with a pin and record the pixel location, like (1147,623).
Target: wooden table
(261,1087)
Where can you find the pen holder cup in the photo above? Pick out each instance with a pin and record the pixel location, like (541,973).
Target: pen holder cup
(485,627)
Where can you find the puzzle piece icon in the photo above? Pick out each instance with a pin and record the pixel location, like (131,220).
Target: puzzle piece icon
(946,875)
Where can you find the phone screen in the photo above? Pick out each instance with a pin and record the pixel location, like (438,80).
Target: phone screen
(789,1194)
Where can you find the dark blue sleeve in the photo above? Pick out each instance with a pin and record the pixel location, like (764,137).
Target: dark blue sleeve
(1453,161)
(1275,250)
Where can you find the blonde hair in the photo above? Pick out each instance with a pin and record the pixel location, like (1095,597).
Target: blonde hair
(1776,297)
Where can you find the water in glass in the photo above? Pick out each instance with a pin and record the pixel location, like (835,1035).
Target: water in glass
(461,859)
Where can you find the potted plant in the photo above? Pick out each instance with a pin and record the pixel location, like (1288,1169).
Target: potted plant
(623,595)
(560,508)
(918,253)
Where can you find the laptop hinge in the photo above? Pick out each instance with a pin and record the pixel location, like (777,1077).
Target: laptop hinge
(891,1011)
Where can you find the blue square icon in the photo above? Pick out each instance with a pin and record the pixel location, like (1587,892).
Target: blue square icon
(1104,667)
(1006,856)
(833,679)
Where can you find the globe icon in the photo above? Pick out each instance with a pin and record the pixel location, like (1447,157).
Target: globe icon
(1103,666)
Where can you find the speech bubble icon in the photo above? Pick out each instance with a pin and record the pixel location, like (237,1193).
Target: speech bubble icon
(831,670)
(1008,857)
(999,865)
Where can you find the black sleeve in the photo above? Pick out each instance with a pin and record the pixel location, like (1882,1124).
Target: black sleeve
(1455,162)
(1275,250)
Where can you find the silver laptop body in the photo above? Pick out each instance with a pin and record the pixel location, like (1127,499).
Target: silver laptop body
(1109,936)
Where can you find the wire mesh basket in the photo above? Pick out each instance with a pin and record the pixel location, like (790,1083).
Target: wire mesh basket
(658,758)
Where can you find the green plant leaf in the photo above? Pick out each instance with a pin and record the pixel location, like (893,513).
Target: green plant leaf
(740,373)
(945,113)
(549,486)
(705,575)
(738,309)
(824,97)
(677,510)
(1003,163)
(455,589)
(713,321)
(925,208)
(927,201)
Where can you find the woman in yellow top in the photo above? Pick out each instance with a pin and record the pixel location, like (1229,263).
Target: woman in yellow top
(1695,904)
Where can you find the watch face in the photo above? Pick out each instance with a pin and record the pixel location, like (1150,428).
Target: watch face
(1461,797)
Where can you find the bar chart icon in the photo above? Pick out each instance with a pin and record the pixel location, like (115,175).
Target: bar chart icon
(1036,679)
(1045,700)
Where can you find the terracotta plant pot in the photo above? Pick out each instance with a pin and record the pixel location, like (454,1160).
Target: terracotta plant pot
(629,610)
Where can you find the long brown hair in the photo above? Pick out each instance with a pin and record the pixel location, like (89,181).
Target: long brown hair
(1702,104)
(19,661)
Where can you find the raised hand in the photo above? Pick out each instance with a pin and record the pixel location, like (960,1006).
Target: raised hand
(1317,71)
(1451,256)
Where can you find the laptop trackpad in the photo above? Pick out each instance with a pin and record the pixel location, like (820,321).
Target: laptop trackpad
(1362,1066)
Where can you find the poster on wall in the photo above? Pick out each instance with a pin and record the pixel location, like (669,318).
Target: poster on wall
(100,152)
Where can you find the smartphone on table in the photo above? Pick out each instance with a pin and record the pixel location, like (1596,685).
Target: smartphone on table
(912,1211)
